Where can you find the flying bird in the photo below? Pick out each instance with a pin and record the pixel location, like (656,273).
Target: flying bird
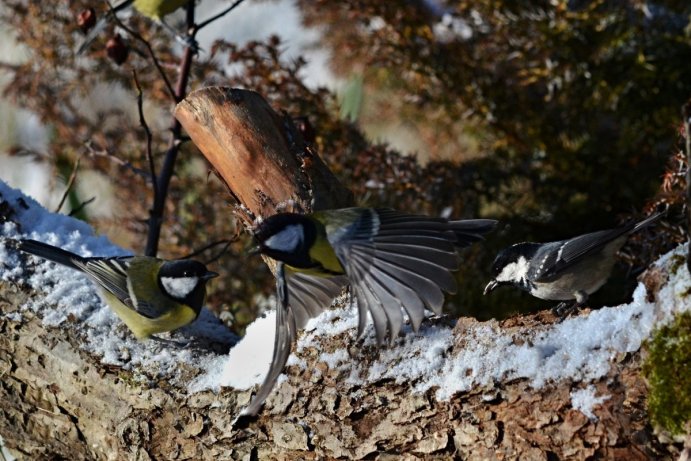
(394,262)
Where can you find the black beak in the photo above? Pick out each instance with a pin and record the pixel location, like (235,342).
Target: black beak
(209,275)
(491,286)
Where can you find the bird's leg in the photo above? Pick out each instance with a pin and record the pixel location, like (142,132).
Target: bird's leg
(564,309)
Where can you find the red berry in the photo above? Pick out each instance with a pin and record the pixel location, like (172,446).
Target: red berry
(117,50)
(86,19)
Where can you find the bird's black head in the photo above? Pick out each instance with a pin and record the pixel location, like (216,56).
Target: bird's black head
(287,237)
(511,265)
(185,281)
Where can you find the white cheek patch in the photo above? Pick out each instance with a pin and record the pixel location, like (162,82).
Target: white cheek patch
(515,271)
(179,287)
(287,240)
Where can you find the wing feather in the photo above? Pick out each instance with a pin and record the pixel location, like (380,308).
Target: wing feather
(310,295)
(578,248)
(401,294)
(111,274)
(570,252)
(401,261)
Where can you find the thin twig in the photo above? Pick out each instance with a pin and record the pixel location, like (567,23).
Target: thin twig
(219,15)
(81,206)
(70,183)
(146,43)
(686,114)
(142,122)
(102,153)
(156,214)
(201,250)
(219,254)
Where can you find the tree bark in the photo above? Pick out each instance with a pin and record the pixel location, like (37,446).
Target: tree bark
(60,402)
(259,154)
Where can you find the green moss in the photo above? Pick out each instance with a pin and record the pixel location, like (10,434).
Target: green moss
(677,262)
(668,370)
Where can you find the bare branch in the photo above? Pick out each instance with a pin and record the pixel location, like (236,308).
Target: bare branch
(146,43)
(218,16)
(225,242)
(70,183)
(125,164)
(142,122)
(156,215)
(81,206)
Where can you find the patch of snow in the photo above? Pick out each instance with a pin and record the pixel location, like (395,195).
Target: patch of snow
(584,400)
(13,316)
(579,348)
(246,364)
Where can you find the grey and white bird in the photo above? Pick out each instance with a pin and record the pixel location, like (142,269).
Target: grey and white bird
(567,270)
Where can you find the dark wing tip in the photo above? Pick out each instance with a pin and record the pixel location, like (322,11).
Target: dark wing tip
(283,342)
(469,231)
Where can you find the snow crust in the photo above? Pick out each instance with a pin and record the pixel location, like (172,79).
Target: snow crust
(580,348)
(584,400)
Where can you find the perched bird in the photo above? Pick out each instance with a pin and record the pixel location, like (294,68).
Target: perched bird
(153,9)
(566,270)
(150,295)
(392,261)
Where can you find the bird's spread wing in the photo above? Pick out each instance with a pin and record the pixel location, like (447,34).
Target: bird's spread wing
(309,295)
(396,260)
(563,255)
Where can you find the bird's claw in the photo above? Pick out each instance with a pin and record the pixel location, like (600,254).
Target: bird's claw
(565,309)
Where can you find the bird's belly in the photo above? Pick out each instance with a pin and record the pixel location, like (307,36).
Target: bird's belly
(566,285)
(143,327)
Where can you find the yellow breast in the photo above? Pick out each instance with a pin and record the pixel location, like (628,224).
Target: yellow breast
(157,9)
(143,327)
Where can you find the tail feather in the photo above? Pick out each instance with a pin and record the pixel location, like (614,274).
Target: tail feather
(49,252)
(283,341)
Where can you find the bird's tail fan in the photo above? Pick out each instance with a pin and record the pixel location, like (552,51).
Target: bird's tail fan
(283,341)
(49,252)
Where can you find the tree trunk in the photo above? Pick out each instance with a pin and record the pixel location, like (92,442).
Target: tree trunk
(61,402)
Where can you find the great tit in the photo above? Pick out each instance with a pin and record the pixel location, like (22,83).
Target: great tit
(152,9)
(566,270)
(150,295)
(393,261)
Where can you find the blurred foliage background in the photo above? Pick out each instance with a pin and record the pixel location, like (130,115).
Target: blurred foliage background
(556,117)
